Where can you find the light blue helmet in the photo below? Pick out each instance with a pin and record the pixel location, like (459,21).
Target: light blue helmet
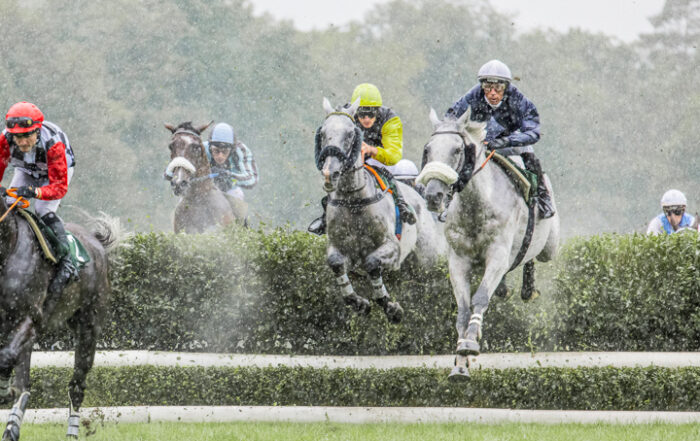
(222,132)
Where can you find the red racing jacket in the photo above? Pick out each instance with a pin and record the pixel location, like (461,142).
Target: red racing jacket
(49,160)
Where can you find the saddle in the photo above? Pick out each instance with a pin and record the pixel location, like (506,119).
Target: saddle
(383,184)
(524,180)
(49,244)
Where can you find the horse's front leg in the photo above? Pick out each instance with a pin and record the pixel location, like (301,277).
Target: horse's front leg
(336,261)
(496,268)
(383,258)
(460,270)
(17,354)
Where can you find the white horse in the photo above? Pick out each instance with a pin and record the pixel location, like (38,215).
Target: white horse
(361,218)
(486,224)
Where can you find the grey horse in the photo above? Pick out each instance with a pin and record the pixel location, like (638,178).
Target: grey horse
(486,223)
(361,218)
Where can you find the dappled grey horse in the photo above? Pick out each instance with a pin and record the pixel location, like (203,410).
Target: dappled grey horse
(486,224)
(361,217)
(24,315)
(203,206)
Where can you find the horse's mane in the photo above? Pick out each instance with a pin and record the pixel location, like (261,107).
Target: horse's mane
(187,125)
(475,130)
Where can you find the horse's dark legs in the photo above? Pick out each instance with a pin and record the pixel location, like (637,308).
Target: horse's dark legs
(528,291)
(373,264)
(336,262)
(16,355)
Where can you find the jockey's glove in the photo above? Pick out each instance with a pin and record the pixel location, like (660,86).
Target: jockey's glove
(3,191)
(26,192)
(498,143)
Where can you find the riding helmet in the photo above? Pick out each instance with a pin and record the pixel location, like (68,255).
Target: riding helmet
(28,116)
(222,133)
(672,198)
(495,70)
(369,95)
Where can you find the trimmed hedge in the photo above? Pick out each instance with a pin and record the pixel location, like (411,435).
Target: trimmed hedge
(634,293)
(650,388)
(253,292)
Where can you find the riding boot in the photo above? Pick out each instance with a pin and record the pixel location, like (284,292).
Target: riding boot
(405,210)
(65,270)
(318,225)
(543,200)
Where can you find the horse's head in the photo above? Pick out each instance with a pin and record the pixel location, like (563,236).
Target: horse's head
(187,156)
(449,157)
(338,143)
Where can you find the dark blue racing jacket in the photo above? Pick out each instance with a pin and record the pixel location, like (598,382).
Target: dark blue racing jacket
(516,118)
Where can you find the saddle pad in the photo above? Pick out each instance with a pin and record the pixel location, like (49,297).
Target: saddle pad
(49,244)
(383,185)
(525,180)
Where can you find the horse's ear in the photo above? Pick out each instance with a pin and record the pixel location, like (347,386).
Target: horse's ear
(354,106)
(170,127)
(203,127)
(464,119)
(434,118)
(327,106)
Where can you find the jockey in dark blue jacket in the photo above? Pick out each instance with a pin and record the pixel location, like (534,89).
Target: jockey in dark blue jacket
(512,121)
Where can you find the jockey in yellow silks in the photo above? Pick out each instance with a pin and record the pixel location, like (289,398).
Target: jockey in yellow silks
(382,147)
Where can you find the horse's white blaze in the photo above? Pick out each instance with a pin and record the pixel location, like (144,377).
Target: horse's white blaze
(437,170)
(180,162)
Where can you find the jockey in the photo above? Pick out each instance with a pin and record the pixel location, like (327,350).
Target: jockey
(674,218)
(513,123)
(43,164)
(382,146)
(232,160)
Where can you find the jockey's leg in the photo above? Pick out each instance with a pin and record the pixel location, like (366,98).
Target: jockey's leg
(405,210)
(544,200)
(65,269)
(318,225)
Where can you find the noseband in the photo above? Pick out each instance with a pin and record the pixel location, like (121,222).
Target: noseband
(332,150)
(465,170)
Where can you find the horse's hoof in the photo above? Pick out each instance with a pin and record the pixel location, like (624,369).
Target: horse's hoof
(468,347)
(11,433)
(529,295)
(502,291)
(360,304)
(394,312)
(459,374)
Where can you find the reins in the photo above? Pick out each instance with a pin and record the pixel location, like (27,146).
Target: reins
(12,192)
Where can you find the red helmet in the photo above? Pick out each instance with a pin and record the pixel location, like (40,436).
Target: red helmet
(23,117)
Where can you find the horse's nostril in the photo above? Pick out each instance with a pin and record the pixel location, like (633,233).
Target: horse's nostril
(335,175)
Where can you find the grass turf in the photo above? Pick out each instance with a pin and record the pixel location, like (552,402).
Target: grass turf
(368,432)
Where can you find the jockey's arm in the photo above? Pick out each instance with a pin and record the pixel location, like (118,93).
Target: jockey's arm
(655,227)
(529,131)
(4,155)
(58,174)
(391,150)
(244,171)
(460,106)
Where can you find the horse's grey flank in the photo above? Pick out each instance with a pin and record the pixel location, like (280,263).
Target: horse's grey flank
(361,217)
(25,315)
(485,223)
(202,207)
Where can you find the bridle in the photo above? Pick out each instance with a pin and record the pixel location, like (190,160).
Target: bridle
(465,169)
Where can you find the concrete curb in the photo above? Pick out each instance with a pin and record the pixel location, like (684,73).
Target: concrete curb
(355,415)
(484,361)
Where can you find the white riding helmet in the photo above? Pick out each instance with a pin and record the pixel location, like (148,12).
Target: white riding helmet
(405,169)
(673,197)
(496,70)
(222,132)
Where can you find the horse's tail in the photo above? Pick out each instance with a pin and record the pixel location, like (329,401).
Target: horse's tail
(106,229)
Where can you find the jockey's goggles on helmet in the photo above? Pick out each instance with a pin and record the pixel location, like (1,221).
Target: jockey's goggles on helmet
(22,121)
(23,135)
(677,210)
(366,112)
(498,86)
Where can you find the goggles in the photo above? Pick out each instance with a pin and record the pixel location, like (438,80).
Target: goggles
(678,210)
(366,112)
(497,86)
(23,135)
(19,121)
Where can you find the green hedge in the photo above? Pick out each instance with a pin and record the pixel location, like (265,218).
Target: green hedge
(256,292)
(633,292)
(651,388)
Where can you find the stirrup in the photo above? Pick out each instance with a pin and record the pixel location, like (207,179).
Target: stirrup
(317,226)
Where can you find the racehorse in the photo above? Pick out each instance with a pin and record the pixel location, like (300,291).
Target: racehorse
(203,206)
(24,278)
(485,226)
(361,219)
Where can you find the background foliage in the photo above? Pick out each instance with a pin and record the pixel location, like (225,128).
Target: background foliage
(617,118)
